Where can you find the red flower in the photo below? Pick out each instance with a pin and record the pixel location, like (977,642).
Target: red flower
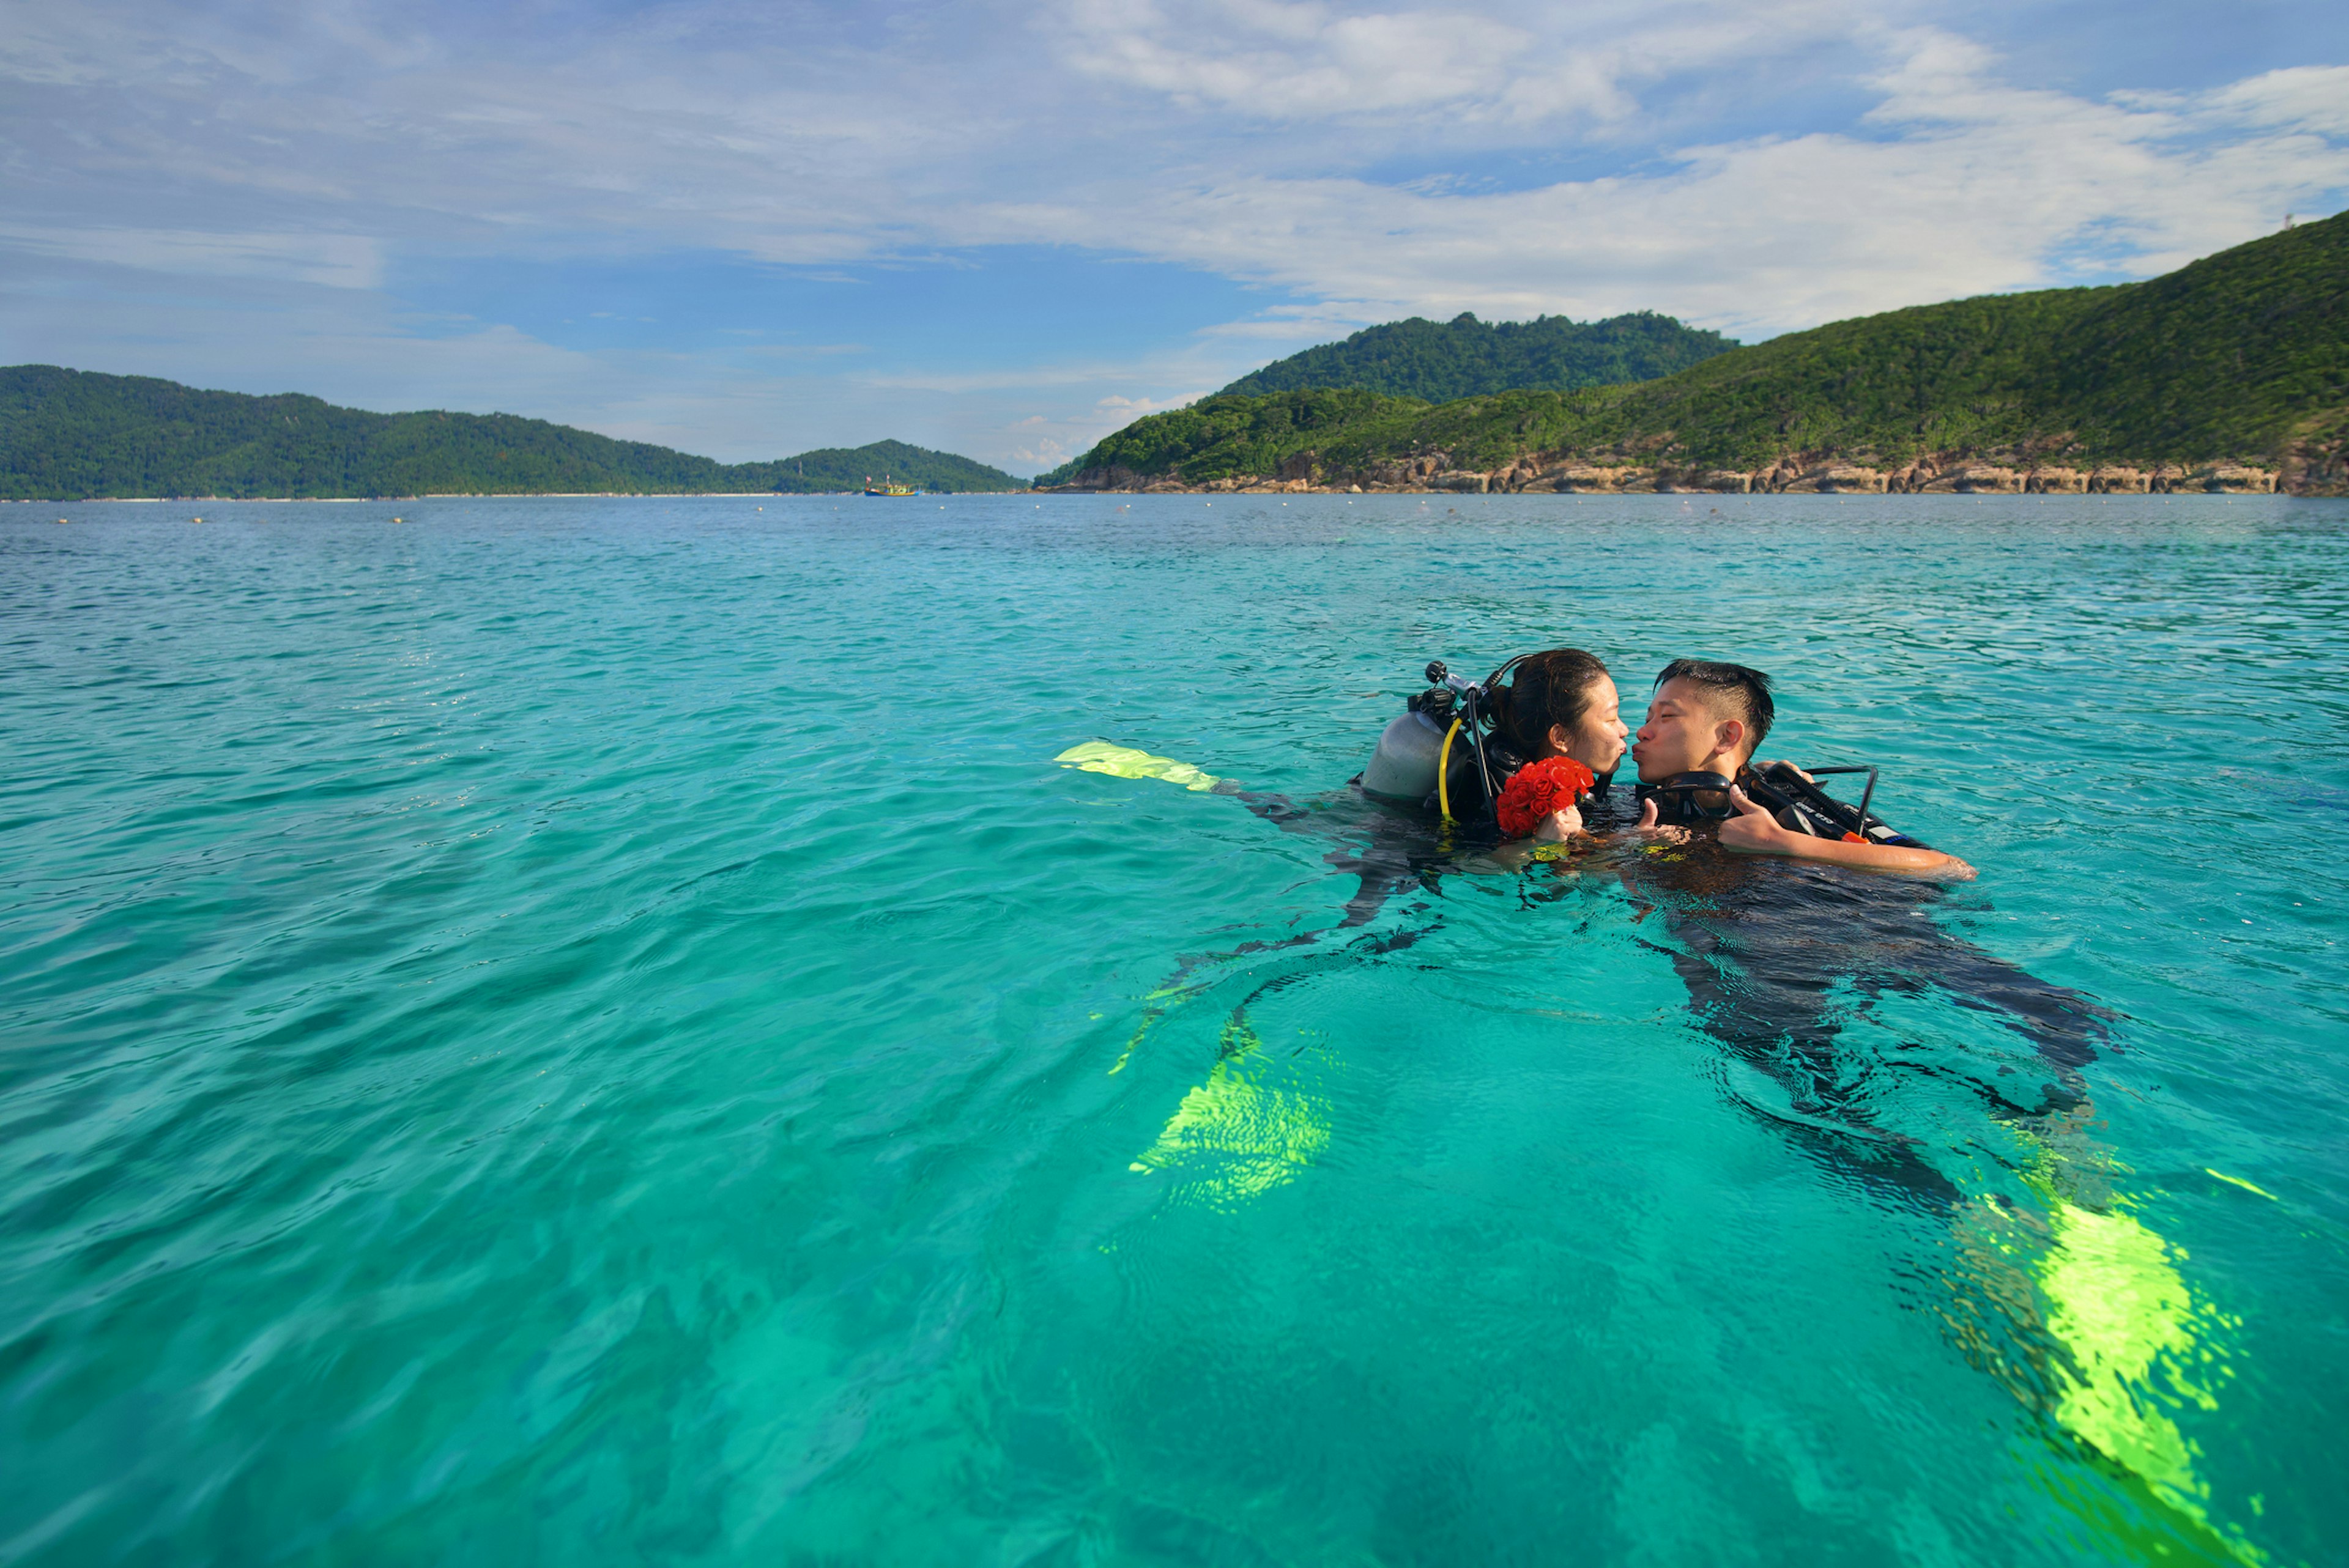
(1537,790)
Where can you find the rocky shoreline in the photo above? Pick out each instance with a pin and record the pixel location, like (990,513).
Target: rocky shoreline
(1432,473)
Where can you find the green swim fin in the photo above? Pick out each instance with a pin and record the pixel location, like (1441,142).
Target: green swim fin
(1125,762)
(2138,1345)
(1234,1137)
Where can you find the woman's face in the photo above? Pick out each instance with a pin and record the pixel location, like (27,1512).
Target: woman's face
(1597,741)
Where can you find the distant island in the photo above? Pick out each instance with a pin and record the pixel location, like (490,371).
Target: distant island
(1465,357)
(2230,374)
(67,435)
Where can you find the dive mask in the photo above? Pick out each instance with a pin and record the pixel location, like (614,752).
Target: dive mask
(1690,798)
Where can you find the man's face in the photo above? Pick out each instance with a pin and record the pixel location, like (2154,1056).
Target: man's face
(1683,736)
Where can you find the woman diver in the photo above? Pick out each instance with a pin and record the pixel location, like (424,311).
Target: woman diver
(1457,748)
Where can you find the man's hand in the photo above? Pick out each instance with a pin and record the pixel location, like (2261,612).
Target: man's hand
(1559,826)
(1648,824)
(1782,762)
(1754,831)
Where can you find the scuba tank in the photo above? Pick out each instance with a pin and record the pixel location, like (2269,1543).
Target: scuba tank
(1404,766)
(1442,753)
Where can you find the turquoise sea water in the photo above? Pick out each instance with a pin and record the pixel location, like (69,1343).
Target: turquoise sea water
(594,1031)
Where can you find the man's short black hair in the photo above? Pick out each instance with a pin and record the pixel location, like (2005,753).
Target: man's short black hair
(1746,692)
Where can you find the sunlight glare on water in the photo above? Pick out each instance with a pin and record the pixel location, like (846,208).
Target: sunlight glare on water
(586,1031)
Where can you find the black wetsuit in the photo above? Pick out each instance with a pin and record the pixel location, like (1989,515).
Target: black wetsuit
(1771,952)
(1726,898)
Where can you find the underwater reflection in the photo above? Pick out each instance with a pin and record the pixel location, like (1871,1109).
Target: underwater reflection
(2055,1288)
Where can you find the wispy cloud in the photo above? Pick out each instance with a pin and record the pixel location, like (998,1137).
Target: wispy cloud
(1270,61)
(332,261)
(807,350)
(1127,408)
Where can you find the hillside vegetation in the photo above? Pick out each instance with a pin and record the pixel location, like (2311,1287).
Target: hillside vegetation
(2240,357)
(71,434)
(1465,357)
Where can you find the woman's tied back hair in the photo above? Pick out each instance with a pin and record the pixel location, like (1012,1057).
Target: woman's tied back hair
(1545,689)
(1731,690)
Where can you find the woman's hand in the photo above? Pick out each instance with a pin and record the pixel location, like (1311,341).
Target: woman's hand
(1559,826)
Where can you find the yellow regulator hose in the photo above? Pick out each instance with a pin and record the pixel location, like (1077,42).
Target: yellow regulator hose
(1443,772)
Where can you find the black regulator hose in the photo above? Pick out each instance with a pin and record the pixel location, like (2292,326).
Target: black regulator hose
(1483,768)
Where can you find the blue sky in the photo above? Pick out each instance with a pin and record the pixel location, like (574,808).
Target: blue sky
(1005,230)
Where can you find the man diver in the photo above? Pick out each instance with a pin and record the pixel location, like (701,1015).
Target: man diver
(1709,717)
(1749,946)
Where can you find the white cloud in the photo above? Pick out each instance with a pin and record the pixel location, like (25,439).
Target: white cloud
(2314,99)
(1968,187)
(1281,61)
(342,127)
(1504,66)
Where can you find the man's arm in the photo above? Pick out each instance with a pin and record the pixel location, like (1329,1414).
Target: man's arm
(1755,832)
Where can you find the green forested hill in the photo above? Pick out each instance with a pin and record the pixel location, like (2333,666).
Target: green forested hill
(847,468)
(2242,356)
(1465,357)
(67,433)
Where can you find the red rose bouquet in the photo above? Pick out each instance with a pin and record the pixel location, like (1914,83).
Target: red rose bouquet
(1537,790)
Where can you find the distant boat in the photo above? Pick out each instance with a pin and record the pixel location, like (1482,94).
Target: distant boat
(887,487)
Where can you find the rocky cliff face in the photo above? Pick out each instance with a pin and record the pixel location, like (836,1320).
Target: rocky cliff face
(2318,462)
(2322,473)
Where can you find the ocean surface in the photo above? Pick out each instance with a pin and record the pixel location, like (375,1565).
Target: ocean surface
(583,1031)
